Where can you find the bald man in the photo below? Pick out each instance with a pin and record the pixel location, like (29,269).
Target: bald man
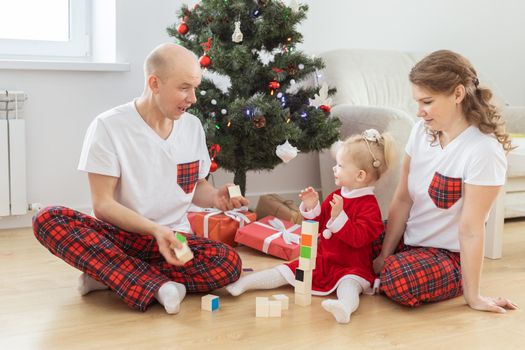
(146,163)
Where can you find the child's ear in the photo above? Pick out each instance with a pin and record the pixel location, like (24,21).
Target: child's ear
(361,176)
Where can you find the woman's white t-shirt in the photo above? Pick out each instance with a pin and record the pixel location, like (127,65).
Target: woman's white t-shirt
(157,177)
(436,181)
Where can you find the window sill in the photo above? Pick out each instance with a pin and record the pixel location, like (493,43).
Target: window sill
(11,64)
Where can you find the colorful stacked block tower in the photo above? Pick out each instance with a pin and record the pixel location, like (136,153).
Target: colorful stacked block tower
(307,256)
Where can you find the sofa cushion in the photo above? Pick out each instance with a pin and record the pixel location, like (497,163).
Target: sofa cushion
(516,158)
(371,77)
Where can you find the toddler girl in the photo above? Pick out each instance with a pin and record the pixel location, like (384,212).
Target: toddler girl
(349,220)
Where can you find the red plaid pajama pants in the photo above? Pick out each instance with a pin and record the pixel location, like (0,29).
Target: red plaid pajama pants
(130,264)
(415,275)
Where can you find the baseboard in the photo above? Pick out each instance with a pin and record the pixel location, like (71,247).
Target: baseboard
(23,221)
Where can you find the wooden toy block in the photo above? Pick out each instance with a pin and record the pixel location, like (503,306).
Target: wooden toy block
(183,254)
(310,227)
(180,237)
(305,252)
(306,264)
(274,307)
(283,299)
(303,287)
(210,302)
(262,307)
(234,191)
(303,299)
(303,281)
(299,275)
(306,240)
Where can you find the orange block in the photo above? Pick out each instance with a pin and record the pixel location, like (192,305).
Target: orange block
(306,240)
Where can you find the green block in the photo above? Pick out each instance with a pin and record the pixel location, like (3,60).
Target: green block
(180,238)
(306,252)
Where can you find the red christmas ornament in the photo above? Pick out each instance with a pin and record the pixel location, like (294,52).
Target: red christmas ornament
(183,28)
(205,60)
(325,108)
(213,166)
(214,149)
(273,85)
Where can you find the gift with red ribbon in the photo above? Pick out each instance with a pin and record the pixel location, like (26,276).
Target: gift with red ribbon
(220,225)
(272,236)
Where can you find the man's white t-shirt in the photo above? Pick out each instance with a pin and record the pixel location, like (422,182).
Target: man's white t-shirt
(437,178)
(157,177)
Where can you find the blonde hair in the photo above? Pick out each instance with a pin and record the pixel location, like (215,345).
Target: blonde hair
(441,72)
(374,156)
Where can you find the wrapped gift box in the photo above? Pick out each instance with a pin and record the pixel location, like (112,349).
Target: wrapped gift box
(272,236)
(220,226)
(274,205)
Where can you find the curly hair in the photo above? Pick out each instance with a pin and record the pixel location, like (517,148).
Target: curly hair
(441,72)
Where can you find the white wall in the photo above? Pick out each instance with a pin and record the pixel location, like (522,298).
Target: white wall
(62,103)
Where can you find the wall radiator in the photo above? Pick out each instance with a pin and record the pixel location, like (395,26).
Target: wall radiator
(13,193)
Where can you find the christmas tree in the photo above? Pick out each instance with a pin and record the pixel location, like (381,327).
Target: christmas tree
(250,46)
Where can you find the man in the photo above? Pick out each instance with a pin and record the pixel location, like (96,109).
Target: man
(146,162)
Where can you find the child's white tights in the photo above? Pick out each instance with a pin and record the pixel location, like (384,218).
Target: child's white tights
(266,279)
(347,300)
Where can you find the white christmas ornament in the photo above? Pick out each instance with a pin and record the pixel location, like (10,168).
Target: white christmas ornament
(237,35)
(286,151)
(294,5)
(322,98)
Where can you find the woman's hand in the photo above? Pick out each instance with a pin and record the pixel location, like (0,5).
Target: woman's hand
(309,197)
(499,304)
(166,237)
(337,205)
(379,263)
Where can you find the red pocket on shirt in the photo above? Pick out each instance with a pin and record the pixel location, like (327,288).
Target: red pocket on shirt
(445,191)
(188,175)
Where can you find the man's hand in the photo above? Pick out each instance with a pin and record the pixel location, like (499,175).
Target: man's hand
(337,205)
(166,237)
(309,197)
(222,199)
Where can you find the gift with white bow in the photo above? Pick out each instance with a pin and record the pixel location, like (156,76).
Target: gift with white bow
(220,225)
(272,236)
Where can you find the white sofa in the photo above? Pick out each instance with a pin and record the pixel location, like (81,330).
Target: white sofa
(373,91)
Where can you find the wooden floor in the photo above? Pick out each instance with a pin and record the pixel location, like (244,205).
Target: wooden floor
(40,309)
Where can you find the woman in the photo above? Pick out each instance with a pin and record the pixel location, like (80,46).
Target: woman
(453,170)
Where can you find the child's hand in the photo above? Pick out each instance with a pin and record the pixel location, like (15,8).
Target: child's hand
(337,205)
(309,197)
